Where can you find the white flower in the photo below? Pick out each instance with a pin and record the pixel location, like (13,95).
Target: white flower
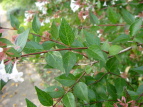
(85,16)
(113,2)
(1,49)
(15,75)
(74,6)
(42,6)
(105,4)
(3,74)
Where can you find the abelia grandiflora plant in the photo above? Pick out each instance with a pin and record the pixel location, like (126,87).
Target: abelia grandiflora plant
(109,72)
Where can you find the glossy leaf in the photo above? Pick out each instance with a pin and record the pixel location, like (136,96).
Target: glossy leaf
(66,33)
(112,15)
(2,84)
(96,53)
(111,90)
(138,69)
(66,80)
(29,103)
(140,89)
(12,52)
(135,27)
(44,98)
(69,60)
(36,24)
(115,49)
(5,41)
(55,91)
(55,60)
(54,31)
(120,83)
(21,40)
(14,21)
(81,91)
(121,39)
(48,45)
(32,47)
(128,17)
(112,64)
(91,95)
(105,46)
(69,100)
(93,18)
(91,39)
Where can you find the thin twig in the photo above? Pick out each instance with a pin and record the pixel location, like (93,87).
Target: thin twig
(60,44)
(139,97)
(69,89)
(54,50)
(99,79)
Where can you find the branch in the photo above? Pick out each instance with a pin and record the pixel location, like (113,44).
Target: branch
(99,79)
(139,97)
(60,44)
(54,50)
(69,89)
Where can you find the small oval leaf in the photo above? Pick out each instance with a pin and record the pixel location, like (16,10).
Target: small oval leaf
(44,98)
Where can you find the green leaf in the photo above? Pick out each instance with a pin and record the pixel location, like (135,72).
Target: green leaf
(101,91)
(120,83)
(21,40)
(138,69)
(91,39)
(134,95)
(55,60)
(32,47)
(14,21)
(96,53)
(69,100)
(128,17)
(29,103)
(66,80)
(115,49)
(48,45)
(12,52)
(135,27)
(55,91)
(105,46)
(66,33)
(121,39)
(54,31)
(112,64)
(44,98)
(93,18)
(111,90)
(81,91)
(69,60)
(140,89)
(91,95)
(112,15)
(36,24)
(2,84)
(6,41)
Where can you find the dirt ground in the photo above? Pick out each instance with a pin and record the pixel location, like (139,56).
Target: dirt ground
(14,94)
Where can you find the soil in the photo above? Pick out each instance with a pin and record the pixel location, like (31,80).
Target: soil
(14,94)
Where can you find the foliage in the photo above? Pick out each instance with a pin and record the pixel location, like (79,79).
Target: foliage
(108,37)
